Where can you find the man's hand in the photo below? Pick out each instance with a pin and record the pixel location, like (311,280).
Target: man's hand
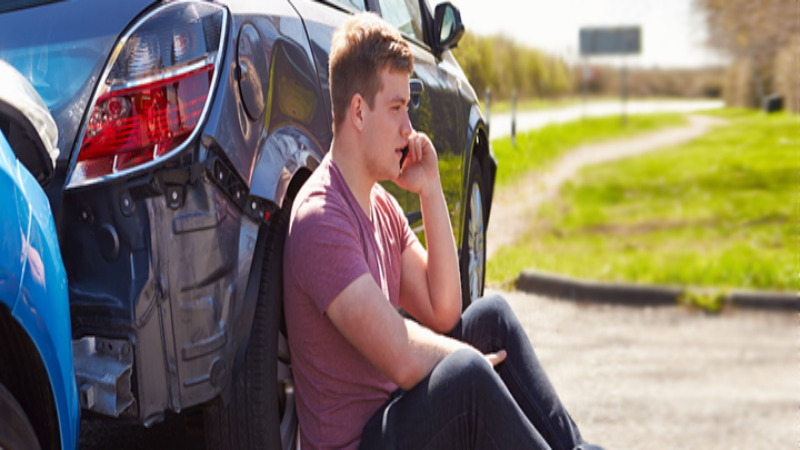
(420,171)
(430,285)
(495,358)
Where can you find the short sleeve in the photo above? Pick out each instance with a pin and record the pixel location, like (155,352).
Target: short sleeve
(325,250)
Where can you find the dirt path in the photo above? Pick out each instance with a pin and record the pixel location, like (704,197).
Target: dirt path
(669,377)
(513,207)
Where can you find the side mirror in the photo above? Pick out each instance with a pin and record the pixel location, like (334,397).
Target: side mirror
(416,92)
(449,28)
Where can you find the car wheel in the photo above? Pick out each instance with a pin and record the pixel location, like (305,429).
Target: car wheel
(260,414)
(16,431)
(473,243)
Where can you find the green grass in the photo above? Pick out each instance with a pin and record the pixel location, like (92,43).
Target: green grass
(721,212)
(540,147)
(730,113)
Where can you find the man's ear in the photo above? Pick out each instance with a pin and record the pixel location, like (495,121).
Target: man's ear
(357,105)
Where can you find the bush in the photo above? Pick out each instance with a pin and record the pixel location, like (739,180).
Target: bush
(503,65)
(685,83)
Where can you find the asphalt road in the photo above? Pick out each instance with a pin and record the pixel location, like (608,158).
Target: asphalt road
(177,432)
(670,377)
(500,124)
(632,378)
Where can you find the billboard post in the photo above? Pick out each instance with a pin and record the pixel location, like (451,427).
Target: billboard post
(611,41)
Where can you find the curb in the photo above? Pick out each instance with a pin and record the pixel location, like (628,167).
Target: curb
(566,288)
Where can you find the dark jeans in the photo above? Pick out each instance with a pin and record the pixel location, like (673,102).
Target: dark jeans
(466,404)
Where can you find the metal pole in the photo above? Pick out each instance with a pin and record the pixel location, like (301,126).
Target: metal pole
(584,88)
(514,118)
(624,92)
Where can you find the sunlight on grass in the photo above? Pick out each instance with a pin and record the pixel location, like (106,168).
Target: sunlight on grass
(540,147)
(720,211)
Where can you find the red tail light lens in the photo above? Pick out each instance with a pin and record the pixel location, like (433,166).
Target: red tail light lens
(154,92)
(130,127)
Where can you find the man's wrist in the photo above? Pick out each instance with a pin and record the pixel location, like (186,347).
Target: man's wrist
(432,187)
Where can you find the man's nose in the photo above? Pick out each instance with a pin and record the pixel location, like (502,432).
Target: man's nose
(406,129)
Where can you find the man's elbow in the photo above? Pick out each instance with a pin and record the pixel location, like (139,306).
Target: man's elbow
(446,320)
(407,374)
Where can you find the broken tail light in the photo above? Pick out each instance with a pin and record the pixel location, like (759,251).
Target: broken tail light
(154,93)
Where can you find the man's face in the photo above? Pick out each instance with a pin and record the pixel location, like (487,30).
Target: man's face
(387,127)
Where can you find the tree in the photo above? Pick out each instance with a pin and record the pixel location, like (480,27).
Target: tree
(752,30)
(504,66)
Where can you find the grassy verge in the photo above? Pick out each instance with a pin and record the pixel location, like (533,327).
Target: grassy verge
(537,148)
(721,211)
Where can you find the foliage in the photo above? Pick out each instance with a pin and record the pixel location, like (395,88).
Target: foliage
(655,82)
(504,65)
(746,28)
(540,147)
(753,33)
(720,212)
(709,300)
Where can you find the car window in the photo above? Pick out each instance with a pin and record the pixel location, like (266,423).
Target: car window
(22,4)
(404,14)
(350,4)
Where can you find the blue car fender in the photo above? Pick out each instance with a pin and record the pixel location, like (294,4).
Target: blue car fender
(41,303)
(13,227)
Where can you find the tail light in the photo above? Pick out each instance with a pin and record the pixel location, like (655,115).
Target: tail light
(154,93)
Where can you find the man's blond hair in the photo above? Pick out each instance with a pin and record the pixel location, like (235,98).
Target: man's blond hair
(360,50)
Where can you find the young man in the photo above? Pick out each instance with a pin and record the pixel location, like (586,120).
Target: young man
(363,374)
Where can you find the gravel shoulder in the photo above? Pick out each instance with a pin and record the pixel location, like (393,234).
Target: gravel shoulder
(669,377)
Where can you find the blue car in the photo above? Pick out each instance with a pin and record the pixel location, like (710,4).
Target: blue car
(38,397)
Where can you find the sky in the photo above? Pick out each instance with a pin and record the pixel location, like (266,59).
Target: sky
(673,33)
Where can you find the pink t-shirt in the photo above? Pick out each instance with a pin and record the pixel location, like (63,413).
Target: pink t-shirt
(330,243)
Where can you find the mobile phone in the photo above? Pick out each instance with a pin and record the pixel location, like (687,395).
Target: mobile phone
(403,158)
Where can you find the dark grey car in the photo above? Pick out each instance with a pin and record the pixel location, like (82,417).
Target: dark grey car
(187,127)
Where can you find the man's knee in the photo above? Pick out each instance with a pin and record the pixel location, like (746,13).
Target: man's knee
(466,368)
(494,308)
(467,375)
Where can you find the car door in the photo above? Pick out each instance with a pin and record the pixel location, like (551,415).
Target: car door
(437,111)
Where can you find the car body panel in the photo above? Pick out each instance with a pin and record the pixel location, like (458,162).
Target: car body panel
(184,305)
(14,227)
(293,99)
(441,79)
(439,116)
(41,305)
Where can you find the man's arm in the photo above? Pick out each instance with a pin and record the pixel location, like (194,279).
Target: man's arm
(430,286)
(401,349)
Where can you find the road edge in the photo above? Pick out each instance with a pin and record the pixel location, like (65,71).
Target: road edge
(578,290)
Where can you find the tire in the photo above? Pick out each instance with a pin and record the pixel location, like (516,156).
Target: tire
(16,431)
(473,243)
(260,415)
